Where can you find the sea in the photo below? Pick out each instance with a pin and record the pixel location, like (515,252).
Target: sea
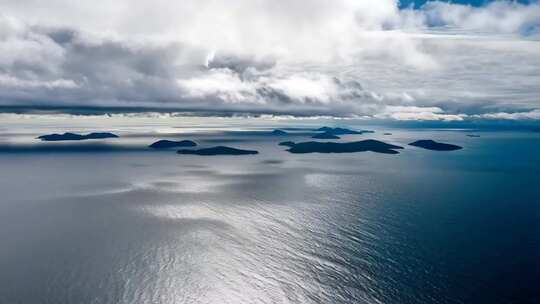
(113,221)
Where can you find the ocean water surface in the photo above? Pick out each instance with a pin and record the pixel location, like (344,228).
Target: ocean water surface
(125,224)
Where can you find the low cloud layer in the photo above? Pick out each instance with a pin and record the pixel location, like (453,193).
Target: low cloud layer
(304,58)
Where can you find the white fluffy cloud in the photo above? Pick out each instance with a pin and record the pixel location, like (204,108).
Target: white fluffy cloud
(341,58)
(418,113)
(532,115)
(497,17)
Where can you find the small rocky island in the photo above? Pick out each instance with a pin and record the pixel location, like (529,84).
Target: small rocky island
(338,131)
(325,135)
(279,132)
(75,136)
(287,143)
(435,146)
(166,144)
(219,150)
(350,147)
(473,135)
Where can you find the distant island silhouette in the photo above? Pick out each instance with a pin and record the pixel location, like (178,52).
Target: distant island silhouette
(269,133)
(165,144)
(473,135)
(219,150)
(279,132)
(387,134)
(341,131)
(435,146)
(350,147)
(74,136)
(287,143)
(337,131)
(325,135)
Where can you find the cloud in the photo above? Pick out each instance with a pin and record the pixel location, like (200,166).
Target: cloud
(418,113)
(530,115)
(223,84)
(497,17)
(343,58)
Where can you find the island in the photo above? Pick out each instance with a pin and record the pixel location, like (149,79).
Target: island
(75,136)
(287,143)
(166,144)
(325,135)
(472,135)
(435,146)
(341,131)
(337,131)
(219,150)
(387,134)
(350,147)
(279,132)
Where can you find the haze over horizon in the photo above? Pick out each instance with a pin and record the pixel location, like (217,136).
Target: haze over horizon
(382,60)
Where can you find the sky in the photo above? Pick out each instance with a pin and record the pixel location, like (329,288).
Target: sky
(384,60)
(476,3)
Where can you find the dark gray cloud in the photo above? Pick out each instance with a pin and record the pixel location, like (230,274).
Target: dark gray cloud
(239,64)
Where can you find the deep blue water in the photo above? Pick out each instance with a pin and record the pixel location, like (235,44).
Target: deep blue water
(140,226)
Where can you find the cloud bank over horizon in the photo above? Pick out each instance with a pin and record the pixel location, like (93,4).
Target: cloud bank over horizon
(343,58)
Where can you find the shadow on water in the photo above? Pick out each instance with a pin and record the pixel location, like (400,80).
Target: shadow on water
(67,148)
